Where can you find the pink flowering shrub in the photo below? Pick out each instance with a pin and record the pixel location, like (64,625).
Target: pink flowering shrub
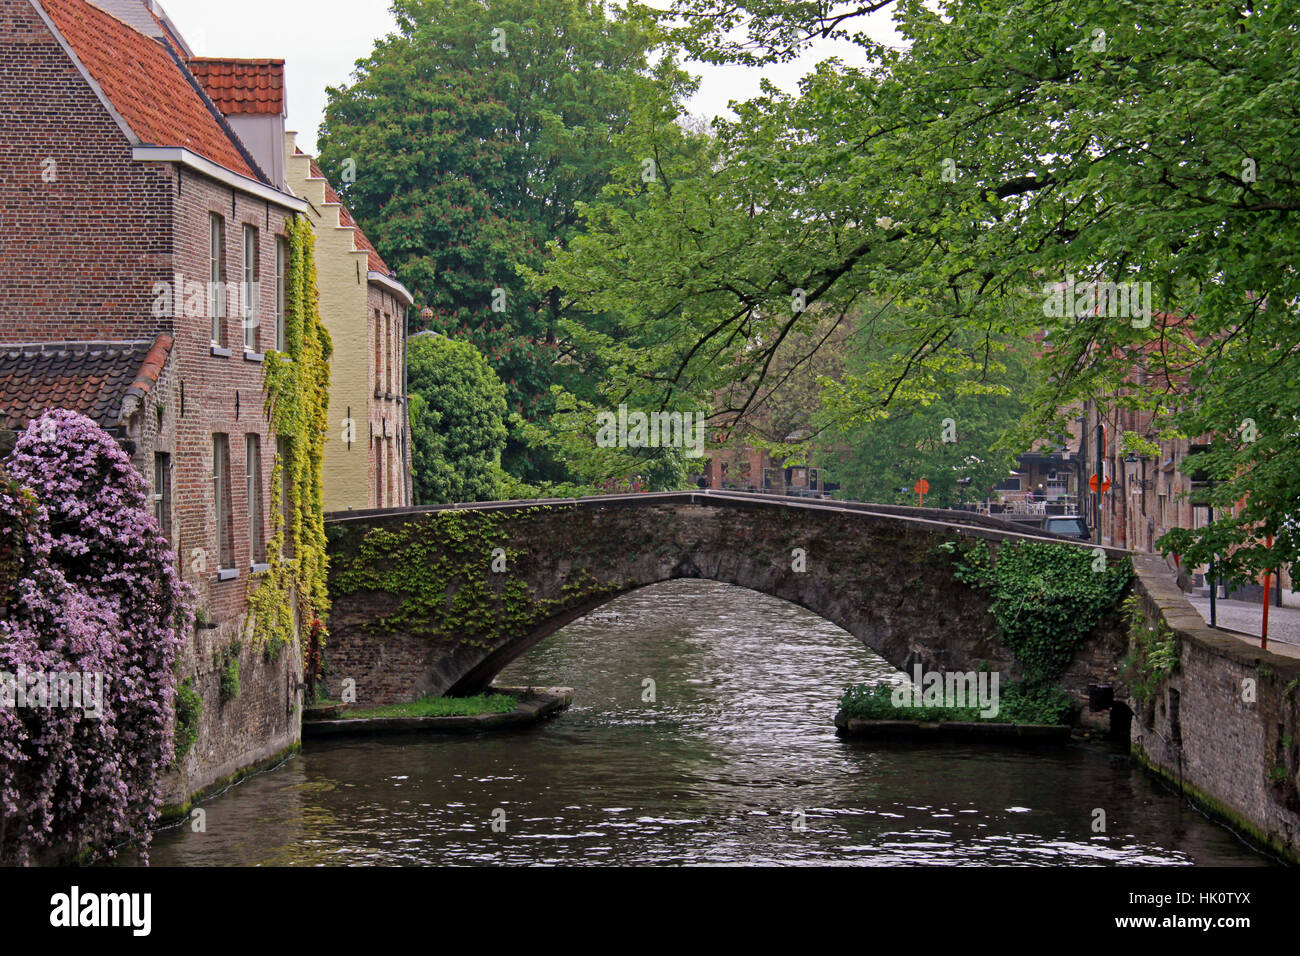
(87,585)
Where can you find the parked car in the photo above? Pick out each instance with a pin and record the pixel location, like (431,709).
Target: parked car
(1071,525)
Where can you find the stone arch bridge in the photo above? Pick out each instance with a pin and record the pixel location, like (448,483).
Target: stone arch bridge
(439,600)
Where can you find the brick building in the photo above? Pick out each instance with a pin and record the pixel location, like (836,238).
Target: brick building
(141,282)
(363,306)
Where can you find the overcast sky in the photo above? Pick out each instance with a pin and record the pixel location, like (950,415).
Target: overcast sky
(321,40)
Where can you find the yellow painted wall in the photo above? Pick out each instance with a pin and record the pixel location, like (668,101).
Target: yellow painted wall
(341,278)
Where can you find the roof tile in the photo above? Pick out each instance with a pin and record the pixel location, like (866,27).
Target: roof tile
(87,377)
(242,87)
(144,84)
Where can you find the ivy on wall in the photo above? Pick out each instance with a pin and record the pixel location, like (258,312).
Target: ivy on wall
(1153,651)
(1046,598)
(441,566)
(294,592)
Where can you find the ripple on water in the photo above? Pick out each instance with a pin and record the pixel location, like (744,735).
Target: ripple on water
(735,762)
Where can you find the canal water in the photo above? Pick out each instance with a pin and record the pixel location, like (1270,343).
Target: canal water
(734,760)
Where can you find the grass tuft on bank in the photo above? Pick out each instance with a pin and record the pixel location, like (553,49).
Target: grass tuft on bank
(441,707)
(1016,705)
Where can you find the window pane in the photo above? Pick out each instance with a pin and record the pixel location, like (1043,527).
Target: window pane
(221,492)
(284,448)
(281,262)
(162,491)
(256,534)
(217,278)
(250,314)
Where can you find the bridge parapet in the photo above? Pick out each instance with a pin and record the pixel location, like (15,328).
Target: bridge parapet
(1224,724)
(438,600)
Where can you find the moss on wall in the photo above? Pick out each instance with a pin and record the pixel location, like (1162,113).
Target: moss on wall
(456,577)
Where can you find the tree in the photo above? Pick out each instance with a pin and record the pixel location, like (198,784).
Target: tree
(958,433)
(475,131)
(1008,149)
(458,411)
(89,588)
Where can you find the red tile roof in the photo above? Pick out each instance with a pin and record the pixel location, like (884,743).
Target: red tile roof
(242,87)
(359,238)
(144,84)
(88,377)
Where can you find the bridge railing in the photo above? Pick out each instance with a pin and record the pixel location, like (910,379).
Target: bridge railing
(998,525)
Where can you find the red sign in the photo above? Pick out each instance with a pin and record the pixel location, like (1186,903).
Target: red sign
(1105,484)
(922,487)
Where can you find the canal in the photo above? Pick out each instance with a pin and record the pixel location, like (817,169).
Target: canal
(734,761)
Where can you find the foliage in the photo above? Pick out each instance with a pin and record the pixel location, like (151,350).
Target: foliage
(1001,149)
(90,587)
(1025,704)
(442,707)
(1153,651)
(873,702)
(229,683)
(189,714)
(475,131)
(440,569)
(946,428)
(1046,598)
(458,410)
(294,590)
(1016,705)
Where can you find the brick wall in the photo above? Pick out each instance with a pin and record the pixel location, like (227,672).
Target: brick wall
(386,402)
(224,394)
(1225,726)
(349,303)
(82,229)
(85,240)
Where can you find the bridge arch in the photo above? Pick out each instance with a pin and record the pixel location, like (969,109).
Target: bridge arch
(440,600)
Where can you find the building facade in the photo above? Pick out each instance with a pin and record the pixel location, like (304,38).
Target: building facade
(365,309)
(141,283)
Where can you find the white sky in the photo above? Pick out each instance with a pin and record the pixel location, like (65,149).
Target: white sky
(321,40)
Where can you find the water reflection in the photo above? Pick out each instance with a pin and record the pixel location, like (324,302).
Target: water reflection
(735,751)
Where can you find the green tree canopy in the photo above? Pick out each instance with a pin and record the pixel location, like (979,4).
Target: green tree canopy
(1006,147)
(957,432)
(475,131)
(458,412)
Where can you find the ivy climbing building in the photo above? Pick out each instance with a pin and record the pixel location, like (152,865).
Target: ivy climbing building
(158,276)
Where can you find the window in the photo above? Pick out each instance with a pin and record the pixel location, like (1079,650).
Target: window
(256,533)
(392,472)
(388,351)
(379,472)
(284,448)
(252,276)
(221,495)
(217,278)
(281,267)
(379,354)
(162,491)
